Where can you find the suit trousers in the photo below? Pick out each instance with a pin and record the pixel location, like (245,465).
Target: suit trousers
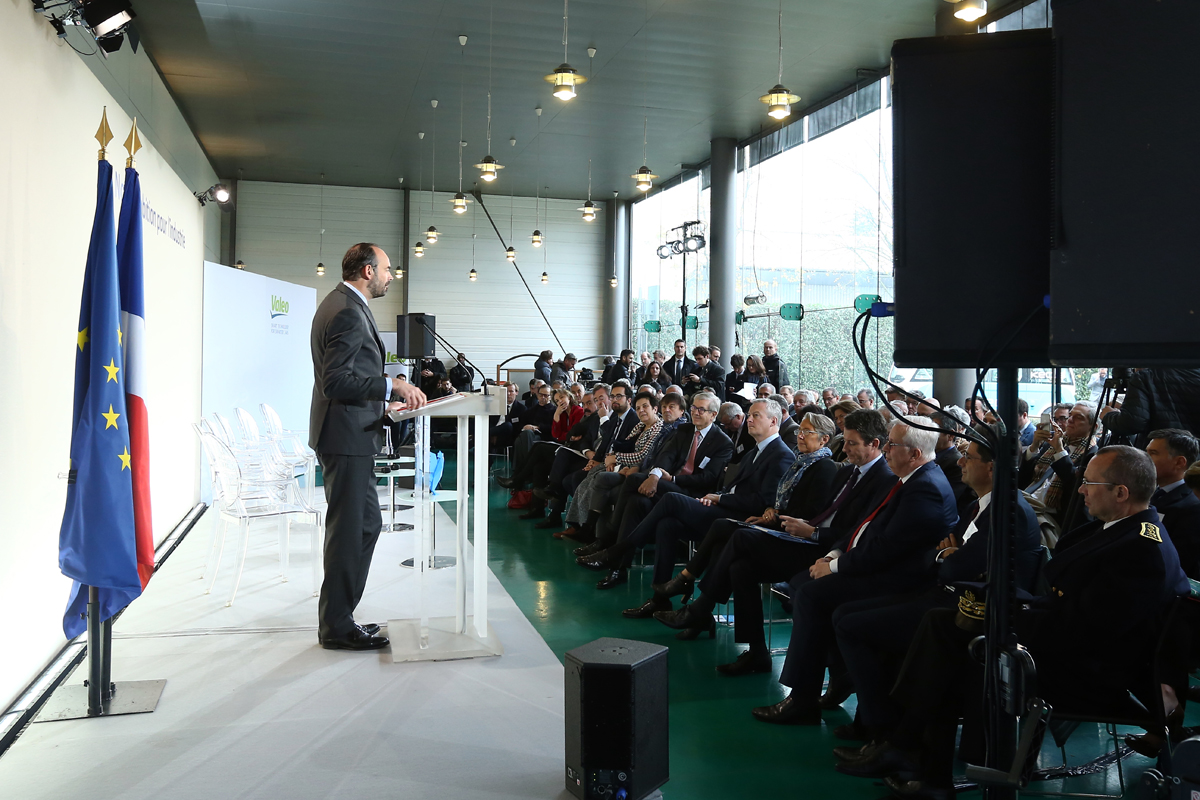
(352,524)
(565,463)
(632,507)
(521,446)
(676,516)
(750,559)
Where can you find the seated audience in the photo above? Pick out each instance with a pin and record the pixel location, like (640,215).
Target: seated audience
(653,376)
(1053,466)
(704,376)
(865,398)
(1172,450)
(506,426)
(622,370)
(735,378)
(788,427)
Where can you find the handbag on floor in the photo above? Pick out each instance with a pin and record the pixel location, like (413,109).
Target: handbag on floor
(521,498)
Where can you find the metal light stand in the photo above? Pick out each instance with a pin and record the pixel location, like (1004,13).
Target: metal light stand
(98,696)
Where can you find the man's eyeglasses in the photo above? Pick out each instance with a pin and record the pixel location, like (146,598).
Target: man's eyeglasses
(890,445)
(1086,482)
(700,409)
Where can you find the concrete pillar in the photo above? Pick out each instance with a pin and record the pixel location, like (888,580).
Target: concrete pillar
(615,330)
(722,246)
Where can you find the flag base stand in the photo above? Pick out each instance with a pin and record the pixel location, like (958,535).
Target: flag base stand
(126,697)
(98,696)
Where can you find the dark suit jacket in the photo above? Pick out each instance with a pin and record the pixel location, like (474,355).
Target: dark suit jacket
(864,497)
(716,447)
(969,561)
(609,432)
(349,389)
(754,488)
(1180,512)
(920,514)
(616,372)
(744,442)
(583,435)
(810,495)
(434,365)
(462,376)
(541,416)
(676,376)
(789,431)
(712,377)
(776,370)
(515,413)
(1070,475)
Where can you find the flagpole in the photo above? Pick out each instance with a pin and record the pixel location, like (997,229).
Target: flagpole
(95,702)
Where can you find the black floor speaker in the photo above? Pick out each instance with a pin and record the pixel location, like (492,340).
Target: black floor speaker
(616,719)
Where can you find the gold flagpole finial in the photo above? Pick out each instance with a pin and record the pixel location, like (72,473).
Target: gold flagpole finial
(103,133)
(132,144)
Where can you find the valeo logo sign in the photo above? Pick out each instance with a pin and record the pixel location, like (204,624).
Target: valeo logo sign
(279,307)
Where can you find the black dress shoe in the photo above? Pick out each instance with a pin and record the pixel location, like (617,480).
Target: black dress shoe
(788,712)
(840,688)
(655,605)
(678,585)
(506,483)
(852,752)
(589,549)
(675,619)
(597,561)
(878,762)
(615,578)
(540,493)
(852,732)
(370,629)
(550,522)
(688,634)
(916,790)
(357,639)
(748,663)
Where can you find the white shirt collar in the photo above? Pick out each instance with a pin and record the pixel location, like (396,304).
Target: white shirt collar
(1108,525)
(863,469)
(984,502)
(703,431)
(354,289)
(1172,486)
(767,441)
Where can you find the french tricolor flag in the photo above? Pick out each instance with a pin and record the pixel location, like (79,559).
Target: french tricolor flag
(133,342)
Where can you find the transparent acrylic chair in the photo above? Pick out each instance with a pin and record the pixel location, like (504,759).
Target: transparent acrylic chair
(241,497)
(291,445)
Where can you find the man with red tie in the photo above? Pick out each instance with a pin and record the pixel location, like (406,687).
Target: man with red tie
(885,554)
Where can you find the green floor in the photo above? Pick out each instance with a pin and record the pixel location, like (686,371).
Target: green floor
(718,750)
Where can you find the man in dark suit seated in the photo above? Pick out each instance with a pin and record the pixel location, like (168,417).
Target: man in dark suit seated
(789,429)
(345,421)
(504,428)
(678,516)
(754,557)
(704,375)
(1089,637)
(732,419)
(874,634)
(679,366)
(885,554)
(535,426)
(1173,450)
(1053,466)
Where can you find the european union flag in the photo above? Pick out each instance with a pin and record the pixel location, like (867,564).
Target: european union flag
(97,546)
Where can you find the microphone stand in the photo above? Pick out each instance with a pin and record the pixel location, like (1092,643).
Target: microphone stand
(456,351)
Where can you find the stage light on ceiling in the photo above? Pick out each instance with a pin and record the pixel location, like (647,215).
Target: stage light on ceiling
(545,277)
(106,17)
(779,100)
(613,281)
(665,251)
(320,270)
(431,235)
(536,239)
(643,179)
(970,10)
(419,250)
(693,243)
(217,193)
(511,253)
(460,203)
(472,275)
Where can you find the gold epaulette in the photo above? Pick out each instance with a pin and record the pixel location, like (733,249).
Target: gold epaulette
(1150,531)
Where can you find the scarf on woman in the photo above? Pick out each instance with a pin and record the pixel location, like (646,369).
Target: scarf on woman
(795,471)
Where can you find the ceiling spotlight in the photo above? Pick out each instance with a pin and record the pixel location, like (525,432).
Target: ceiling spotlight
(693,243)
(487,168)
(665,251)
(589,211)
(970,10)
(320,270)
(239,264)
(643,179)
(779,100)
(459,201)
(545,277)
(472,275)
(107,17)
(755,299)
(511,253)
(217,193)
(536,239)
(431,235)
(613,281)
(419,250)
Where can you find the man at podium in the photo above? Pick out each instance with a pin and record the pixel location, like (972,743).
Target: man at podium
(345,425)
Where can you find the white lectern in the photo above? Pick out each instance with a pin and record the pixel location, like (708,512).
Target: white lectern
(463,635)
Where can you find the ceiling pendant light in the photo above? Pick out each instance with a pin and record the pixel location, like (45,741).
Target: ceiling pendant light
(545,277)
(321,246)
(459,201)
(643,178)
(535,238)
(472,275)
(320,270)
(511,253)
(779,100)
(613,281)
(564,77)
(970,10)
(488,167)
(431,233)
(589,208)
(418,248)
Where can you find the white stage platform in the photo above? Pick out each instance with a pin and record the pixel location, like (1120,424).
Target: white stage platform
(255,708)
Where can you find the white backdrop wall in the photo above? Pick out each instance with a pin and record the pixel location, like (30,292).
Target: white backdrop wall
(278,233)
(256,346)
(51,108)
(494,318)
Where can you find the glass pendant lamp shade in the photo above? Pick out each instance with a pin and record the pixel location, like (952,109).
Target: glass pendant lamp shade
(779,101)
(536,239)
(488,169)
(545,277)
(565,79)
(511,253)
(472,275)
(459,203)
(589,211)
(643,179)
(613,281)
(970,10)
(419,250)
(431,235)
(320,270)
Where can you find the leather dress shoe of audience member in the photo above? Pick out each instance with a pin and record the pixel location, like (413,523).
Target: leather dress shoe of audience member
(916,790)
(840,688)
(370,629)
(588,549)
(570,530)
(788,712)
(597,561)
(614,578)
(506,483)
(852,732)
(689,624)
(1149,744)
(357,639)
(879,762)
(748,663)
(648,609)
(856,752)
(678,585)
(540,493)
